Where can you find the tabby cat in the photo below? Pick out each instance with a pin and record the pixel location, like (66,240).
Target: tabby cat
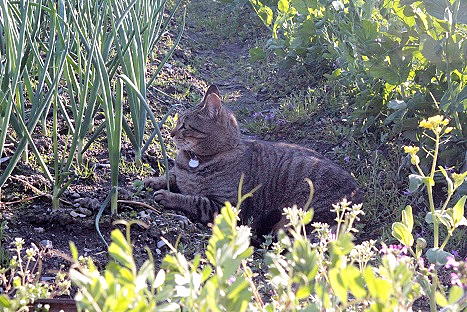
(212,157)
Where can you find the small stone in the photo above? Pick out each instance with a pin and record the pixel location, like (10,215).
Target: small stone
(47,278)
(74,214)
(158,251)
(84,211)
(3,159)
(39,230)
(74,195)
(143,215)
(160,244)
(76,205)
(46,243)
(94,204)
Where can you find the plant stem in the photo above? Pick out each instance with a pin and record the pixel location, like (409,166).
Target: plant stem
(435,219)
(435,282)
(446,240)
(430,193)
(79,152)
(434,286)
(55,201)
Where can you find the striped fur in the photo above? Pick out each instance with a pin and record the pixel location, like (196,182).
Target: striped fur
(210,134)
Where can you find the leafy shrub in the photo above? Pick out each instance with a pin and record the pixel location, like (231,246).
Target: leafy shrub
(402,60)
(332,273)
(19,280)
(306,271)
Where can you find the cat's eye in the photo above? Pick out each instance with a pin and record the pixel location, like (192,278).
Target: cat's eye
(195,129)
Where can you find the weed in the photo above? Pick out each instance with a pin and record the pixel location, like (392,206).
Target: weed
(4,253)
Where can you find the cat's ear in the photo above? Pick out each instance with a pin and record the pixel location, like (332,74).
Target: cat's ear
(212,105)
(212,89)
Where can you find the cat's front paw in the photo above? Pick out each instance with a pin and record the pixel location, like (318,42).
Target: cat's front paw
(156,183)
(165,198)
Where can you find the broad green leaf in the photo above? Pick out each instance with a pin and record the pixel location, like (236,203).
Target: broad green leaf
(302,5)
(120,250)
(160,279)
(415,181)
(443,216)
(4,301)
(257,54)
(343,245)
(460,178)
(337,284)
(322,293)
(303,292)
(354,281)
(441,300)
(370,29)
(448,180)
(206,273)
(283,6)
(386,72)
(397,104)
(246,253)
(265,14)
(458,211)
(460,11)
(237,287)
(435,8)
(437,256)
(455,293)
(407,217)
(308,216)
(378,288)
(432,50)
(402,234)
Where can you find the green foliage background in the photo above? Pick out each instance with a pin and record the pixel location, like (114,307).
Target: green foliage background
(401,60)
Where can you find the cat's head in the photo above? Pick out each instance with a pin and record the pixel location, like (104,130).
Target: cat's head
(208,129)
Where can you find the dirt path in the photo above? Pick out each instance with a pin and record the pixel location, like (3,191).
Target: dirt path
(218,39)
(216,47)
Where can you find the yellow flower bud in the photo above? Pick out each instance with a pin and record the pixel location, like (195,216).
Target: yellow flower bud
(412,150)
(448,129)
(434,123)
(425,124)
(414,159)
